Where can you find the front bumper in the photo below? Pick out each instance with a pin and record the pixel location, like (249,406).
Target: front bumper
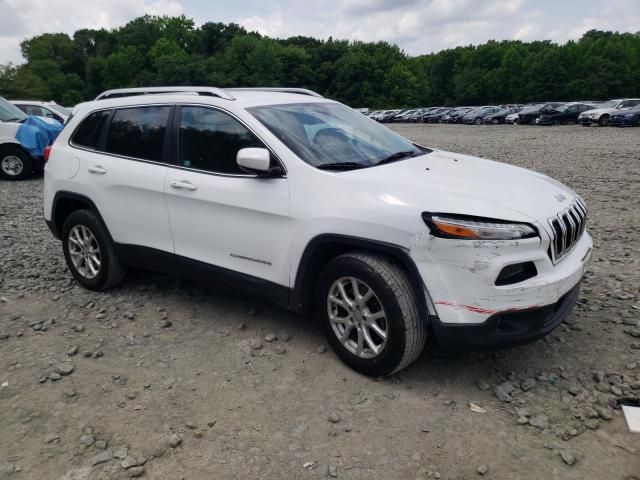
(506,329)
(587,120)
(460,276)
(470,312)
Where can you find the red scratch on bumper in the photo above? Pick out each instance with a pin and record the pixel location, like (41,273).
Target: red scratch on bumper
(483,311)
(471,308)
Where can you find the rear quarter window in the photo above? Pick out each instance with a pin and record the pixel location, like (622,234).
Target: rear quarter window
(88,132)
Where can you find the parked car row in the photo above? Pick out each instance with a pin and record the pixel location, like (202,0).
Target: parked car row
(619,112)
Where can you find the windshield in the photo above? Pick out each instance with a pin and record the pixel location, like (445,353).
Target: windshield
(609,104)
(325,134)
(531,108)
(60,108)
(9,112)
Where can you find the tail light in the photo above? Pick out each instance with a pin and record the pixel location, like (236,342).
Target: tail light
(47,151)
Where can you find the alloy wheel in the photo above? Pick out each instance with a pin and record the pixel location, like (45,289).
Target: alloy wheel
(357,317)
(84,251)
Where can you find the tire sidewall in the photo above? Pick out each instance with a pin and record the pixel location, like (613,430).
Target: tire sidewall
(24,158)
(392,354)
(90,221)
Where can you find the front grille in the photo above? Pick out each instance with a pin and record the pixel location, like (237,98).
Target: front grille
(567,227)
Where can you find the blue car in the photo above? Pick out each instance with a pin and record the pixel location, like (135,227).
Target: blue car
(626,118)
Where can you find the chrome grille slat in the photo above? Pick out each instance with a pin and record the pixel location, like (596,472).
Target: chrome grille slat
(566,229)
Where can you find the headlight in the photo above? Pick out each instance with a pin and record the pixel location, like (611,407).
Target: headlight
(473,228)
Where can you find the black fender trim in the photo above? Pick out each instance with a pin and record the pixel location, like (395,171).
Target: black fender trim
(315,253)
(55,225)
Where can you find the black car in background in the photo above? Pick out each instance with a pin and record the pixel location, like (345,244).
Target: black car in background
(499,116)
(529,115)
(436,115)
(456,115)
(567,113)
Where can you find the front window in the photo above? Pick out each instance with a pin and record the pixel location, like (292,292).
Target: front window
(210,140)
(327,135)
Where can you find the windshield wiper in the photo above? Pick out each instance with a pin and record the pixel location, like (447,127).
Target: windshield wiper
(394,157)
(341,166)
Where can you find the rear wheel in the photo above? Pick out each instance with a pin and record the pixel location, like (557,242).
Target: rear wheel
(89,252)
(369,313)
(603,121)
(15,164)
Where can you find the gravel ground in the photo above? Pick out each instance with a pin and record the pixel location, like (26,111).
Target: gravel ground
(166,379)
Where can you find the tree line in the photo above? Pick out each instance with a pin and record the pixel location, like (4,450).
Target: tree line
(152,50)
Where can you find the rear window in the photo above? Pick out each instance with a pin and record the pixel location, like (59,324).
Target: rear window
(138,132)
(88,132)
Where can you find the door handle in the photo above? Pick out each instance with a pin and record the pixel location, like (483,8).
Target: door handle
(97,169)
(184,185)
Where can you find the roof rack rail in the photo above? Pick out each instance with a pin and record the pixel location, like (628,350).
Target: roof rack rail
(301,91)
(129,92)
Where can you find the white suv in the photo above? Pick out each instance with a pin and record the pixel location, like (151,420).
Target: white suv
(307,202)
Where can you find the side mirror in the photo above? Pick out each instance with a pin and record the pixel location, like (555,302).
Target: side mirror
(257,161)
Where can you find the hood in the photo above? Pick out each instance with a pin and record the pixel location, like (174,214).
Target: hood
(446,182)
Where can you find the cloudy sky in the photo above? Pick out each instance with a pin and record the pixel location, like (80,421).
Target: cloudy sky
(418,26)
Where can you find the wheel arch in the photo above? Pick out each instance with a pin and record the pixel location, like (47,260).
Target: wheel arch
(12,144)
(322,248)
(64,204)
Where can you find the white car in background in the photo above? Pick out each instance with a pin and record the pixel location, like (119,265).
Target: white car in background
(512,118)
(602,114)
(43,109)
(302,200)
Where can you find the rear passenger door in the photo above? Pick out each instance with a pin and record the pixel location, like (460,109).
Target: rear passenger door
(122,162)
(220,215)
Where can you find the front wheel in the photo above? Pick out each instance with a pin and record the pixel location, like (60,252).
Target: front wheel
(15,164)
(369,313)
(89,252)
(603,121)
(477,121)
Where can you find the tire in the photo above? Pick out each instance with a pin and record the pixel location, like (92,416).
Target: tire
(110,271)
(636,122)
(478,121)
(603,121)
(586,124)
(15,164)
(393,300)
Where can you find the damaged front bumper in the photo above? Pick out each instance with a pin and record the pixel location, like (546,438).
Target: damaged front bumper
(468,307)
(506,329)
